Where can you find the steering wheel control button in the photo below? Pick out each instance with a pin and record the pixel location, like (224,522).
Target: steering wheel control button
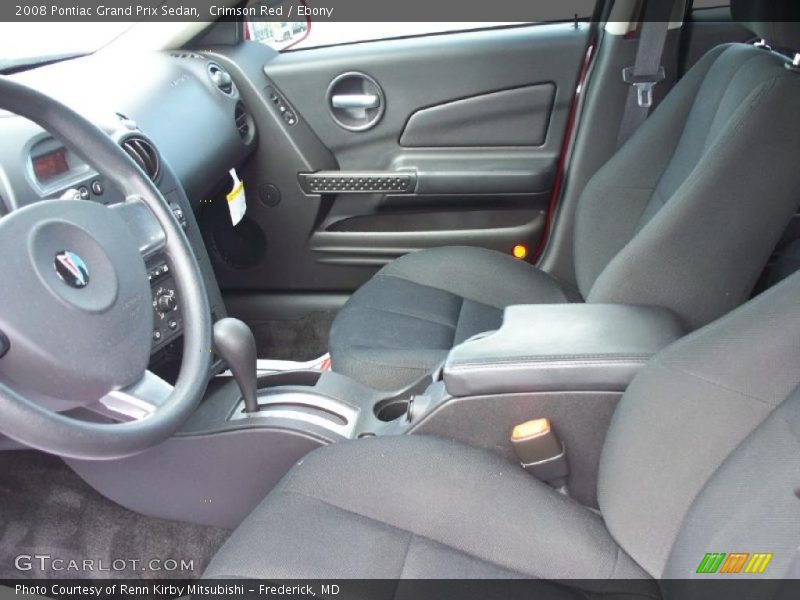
(97,188)
(157,272)
(173,324)
(179,215)
(156,336)
(71,269)
(165,302)
(84,192)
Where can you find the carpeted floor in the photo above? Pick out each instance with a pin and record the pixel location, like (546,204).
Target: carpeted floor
(46,509)
(301,340)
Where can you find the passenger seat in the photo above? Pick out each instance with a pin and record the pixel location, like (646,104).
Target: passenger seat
(684,216)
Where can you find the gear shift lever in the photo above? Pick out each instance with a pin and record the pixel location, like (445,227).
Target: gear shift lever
(235,343)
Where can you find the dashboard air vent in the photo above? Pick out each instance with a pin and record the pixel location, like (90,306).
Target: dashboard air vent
(185,55)
(221,79)
(143,154)
(242,120)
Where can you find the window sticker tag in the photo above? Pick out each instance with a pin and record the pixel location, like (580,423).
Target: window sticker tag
(237,204)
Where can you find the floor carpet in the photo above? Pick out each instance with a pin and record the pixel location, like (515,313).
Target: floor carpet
(301,340)
(47,510)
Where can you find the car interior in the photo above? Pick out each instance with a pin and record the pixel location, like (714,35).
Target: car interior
(512,301)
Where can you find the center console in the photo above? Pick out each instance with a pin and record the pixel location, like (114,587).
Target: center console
(568,363)
(560,347)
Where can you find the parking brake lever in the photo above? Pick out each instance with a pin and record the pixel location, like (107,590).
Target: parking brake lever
(235,344)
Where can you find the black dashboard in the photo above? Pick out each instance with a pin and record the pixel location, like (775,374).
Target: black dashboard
(178,115)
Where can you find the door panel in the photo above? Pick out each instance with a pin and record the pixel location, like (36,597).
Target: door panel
(474,120)
(517,117)
(420,72)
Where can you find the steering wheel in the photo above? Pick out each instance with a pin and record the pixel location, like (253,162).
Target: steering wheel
(75,304)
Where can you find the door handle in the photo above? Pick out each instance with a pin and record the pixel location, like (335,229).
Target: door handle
(355,101)
(363,101)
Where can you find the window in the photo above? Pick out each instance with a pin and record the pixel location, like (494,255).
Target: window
(283,36)
(325,32)
(279,35)
(31,42)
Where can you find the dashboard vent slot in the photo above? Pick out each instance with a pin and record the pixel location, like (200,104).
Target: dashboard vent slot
(221,79)
(185,55)
(143,154)
(242,120)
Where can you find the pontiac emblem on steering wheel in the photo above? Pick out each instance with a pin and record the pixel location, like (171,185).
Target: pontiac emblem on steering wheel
(71,269)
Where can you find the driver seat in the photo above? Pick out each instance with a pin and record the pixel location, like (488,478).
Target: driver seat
(702,455)
(684,216)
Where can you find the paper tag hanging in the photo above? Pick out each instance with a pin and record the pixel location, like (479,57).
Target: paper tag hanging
(237,205)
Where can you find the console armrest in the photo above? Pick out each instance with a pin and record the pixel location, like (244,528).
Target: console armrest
(561,347)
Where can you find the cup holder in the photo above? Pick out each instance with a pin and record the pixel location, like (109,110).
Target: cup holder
(391,409)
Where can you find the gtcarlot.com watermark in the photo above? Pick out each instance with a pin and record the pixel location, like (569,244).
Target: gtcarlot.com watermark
(49,563)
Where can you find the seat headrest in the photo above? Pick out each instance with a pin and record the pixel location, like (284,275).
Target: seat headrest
(776,21)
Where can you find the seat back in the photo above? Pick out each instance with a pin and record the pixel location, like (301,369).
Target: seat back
(676,443)
(686,214)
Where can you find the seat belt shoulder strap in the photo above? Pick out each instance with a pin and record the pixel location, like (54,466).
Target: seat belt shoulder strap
(646,71)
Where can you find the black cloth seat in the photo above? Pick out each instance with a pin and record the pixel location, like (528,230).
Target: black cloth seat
(684,215)
(405,320)
(702,455)
(420,507)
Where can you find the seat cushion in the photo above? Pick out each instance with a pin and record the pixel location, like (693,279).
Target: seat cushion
(401,324)
(419,507)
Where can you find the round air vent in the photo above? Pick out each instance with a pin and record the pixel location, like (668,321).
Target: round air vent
(143,154)
(221,79)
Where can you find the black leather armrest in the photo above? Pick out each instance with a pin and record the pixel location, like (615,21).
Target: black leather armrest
(561,347)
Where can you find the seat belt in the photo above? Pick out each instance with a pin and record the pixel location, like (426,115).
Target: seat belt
(647,70)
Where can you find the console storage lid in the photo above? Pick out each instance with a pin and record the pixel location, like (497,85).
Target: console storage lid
(561,347)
